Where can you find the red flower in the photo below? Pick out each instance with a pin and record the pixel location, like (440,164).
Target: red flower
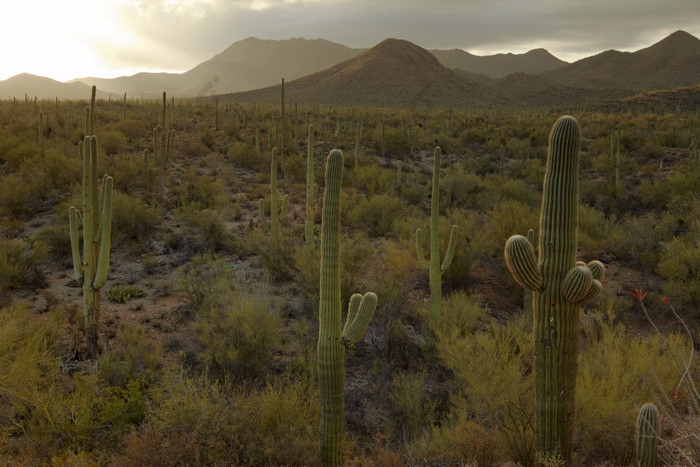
(665,299)
(639,294)
(675,394)
(673,338)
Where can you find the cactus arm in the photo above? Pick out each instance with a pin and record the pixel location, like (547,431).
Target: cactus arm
(358,325)
(283,209)
(449,255)
(593,292)
(576,283)
(521,261)
(597,268)
(75,245)
(419,250)
(263,220)
(353,306)
(105,240)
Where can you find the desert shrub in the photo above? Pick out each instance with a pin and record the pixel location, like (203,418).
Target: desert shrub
(112,142)
(237,320)
(132,357)
(207,231)
(680,266)
(460,189)
(510,217)
(122,294)
(132,129)
(395,142)
(201,190)
(19,198)
(594,230)
(127,171)
(195,421)
(493,371)
(376,213)
(244,155)
(414,410)
(471,247)
(29,360)
(21,263)
(614,376)
(529,170)
(373,179)
(635,239)
(132,219)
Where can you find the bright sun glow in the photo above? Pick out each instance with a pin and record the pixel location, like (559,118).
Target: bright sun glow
(57,39)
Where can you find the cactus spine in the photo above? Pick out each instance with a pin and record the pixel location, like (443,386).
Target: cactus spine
(435,269)
(311,190)
(275,217)
(91,271)
(559,285)
(332,342)
(647,431)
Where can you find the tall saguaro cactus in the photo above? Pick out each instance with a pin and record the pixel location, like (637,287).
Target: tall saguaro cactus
(332,342)
(647,431)
(91,271)
(559,285)
(435,269)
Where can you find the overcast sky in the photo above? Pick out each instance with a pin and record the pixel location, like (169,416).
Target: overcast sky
(65,39)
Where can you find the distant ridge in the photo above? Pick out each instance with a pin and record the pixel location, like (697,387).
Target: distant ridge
(499,65)
(399,73)
(42,88)
(251,63)
(670,63)
(393,73)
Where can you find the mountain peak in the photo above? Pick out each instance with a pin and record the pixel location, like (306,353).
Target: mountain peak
(679,41)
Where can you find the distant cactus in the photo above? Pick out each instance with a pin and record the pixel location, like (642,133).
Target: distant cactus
(434,268)
(647,432)
(559,285)
(311,190)
(332,342)
(91,271)
(275,216)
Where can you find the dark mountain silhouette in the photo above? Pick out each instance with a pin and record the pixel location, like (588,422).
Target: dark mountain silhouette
(393,73)
(670,63)
(499,65)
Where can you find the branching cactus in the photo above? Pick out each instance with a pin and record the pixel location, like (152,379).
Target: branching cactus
(163,145)
(275,217)
(559,285)
(435,269)
(647,432)
(332,342)
(311,190)
(91,270)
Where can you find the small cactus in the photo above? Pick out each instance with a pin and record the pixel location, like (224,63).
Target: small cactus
(275,216)
(647,432)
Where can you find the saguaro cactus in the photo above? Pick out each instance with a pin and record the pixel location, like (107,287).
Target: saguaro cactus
(275,217)
(435,269)
(647,431)
(332,342)
(91,271)
(559,285)
(311,189)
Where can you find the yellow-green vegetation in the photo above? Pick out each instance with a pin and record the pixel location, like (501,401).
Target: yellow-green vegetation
(216,361)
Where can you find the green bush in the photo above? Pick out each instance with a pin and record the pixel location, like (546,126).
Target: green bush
(376,213)
(122,294)
(132,357)
(112,142)
(21,263)
(680,266)
(132,219)
(237,320)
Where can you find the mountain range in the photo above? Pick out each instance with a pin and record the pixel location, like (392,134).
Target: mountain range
(398,73)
